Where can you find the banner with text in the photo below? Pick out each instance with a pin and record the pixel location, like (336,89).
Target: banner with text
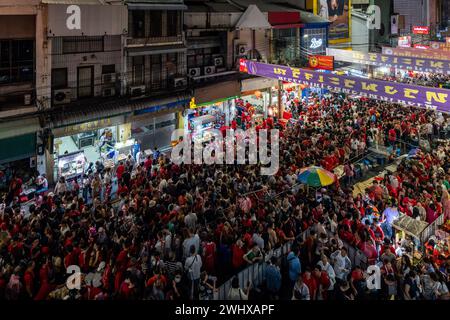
(424,97)
(384,60)
(418,53)
(321,62)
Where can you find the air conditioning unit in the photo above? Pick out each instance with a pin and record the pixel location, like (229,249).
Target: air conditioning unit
(218,61)
(108,78)
(137,91)
(62,96)
(241,49)
(179,82)
(27,99)
(210,70)
(194,72)
(109,92)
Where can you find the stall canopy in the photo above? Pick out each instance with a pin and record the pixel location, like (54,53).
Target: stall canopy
(410,226)
(253,18)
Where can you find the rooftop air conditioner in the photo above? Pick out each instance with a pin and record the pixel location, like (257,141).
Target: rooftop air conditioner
(62,96)
(179,82)
(194,72)
(210,70)
(108,78)
(137,91)
(218,61)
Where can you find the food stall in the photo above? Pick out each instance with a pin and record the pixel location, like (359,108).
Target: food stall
(413,233)
(201,127)
(71,165)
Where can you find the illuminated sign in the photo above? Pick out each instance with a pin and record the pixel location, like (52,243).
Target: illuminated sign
(404,42)
(316,43)
(421,30)
(321,62)
(421,46)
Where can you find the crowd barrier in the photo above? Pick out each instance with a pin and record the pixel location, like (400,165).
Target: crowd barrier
(254,273)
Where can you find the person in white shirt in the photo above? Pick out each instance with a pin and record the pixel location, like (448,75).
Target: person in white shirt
(301,290)
(342,263)
(191,240)
(190,220)
(326,266)
(193,265)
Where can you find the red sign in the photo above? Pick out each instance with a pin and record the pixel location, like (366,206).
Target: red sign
(321,62)
(421,30)
(421,46)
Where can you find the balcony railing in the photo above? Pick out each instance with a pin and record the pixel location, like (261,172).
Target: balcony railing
(154,41)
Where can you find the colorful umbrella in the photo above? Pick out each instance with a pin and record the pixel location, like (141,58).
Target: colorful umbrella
(316,177)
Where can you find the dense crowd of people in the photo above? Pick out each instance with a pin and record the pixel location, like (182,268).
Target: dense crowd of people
(178,231)
(420,79)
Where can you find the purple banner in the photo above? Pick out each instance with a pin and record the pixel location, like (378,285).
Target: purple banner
(384,60)
(405,94)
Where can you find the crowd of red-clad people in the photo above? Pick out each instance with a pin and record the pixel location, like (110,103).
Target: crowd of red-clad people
(178,231)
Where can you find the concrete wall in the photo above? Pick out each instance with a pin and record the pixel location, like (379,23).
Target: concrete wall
(111,55)
(16,27)
(95,20)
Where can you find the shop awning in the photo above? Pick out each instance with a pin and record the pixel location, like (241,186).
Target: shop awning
(144,51)
(253,18)
(96,111)
(288,26)
(217,91)
(257,84)
(17,148)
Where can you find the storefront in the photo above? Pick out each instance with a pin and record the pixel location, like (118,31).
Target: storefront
(111,140)
(259,94)
(201,120)
(18,150)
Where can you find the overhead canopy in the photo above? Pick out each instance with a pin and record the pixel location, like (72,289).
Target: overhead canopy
(253,18)
(410,226)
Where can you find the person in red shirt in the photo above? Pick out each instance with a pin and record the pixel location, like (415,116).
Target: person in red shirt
(28,279)
(392,136)
(323,281)
(311,283)
(238,252)
(120,170)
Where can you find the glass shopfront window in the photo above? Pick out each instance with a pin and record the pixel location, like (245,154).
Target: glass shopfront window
(314,41)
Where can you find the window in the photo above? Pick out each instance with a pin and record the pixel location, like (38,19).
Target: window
(16,60)
(138,19)
(173,23)
(156,23)
(82,44)
(202,57)
(171,65)
(59,78)
(314,41)
(138,70)
(110,68)
(155,61)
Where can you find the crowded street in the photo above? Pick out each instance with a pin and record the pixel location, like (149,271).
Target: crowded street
(257,151)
